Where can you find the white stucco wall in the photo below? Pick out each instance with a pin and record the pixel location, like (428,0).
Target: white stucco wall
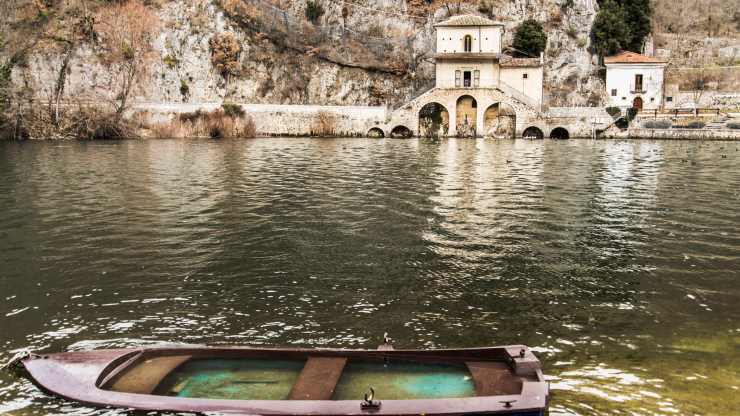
(531,86)
(486,39)
(622,78)
(446,72)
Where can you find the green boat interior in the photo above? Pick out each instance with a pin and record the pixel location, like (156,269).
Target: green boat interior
(313,378)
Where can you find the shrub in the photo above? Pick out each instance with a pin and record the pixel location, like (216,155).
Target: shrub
(614,111)
(631,114)
(530,39)
(657,124)
(184,89)
(324,125)
(216,124)
(314,10)
(225,51)
(486,7)
(734,126)
(233,110)
(694,125)
(572,32)
(170,61)
(80,122)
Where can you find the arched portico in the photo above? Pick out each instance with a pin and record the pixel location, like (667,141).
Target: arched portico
(466,111)
(499,120)
(434,120)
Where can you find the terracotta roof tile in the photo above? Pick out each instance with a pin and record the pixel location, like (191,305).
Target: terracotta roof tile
(468,20)
(628,57)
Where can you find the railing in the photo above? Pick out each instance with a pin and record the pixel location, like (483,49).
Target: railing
(680,112)
(508,89)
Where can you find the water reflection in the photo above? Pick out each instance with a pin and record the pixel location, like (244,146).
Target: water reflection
(616,260)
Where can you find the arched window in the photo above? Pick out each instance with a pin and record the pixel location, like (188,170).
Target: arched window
(468,43)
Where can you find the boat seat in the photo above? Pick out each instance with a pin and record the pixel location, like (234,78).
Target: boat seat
(493,378)
(318,379)
(144,377)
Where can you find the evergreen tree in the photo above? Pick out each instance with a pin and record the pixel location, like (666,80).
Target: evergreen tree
(530,39)
(637,17)
(621,24)
(610,32)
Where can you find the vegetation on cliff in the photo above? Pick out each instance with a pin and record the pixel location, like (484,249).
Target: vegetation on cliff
(621,25)
(530,39)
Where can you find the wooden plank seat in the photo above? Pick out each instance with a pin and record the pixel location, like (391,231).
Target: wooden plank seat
(493,378)
(318,379)
(146,376)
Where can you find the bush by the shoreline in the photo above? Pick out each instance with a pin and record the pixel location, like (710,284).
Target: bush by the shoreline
(49,122)
(657,124)
(224,123)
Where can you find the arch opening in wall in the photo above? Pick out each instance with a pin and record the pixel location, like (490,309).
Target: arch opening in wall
(376,132)
(533,133)
(401,131)
(466,116)
(468,43)
(559,133)
(434,120)
(500,121)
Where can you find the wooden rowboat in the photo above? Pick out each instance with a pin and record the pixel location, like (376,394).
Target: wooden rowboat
(272,381)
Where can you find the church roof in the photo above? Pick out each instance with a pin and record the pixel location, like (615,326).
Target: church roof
(468,20)
(628,57)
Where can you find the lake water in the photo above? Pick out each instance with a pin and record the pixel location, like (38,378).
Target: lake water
(618,261)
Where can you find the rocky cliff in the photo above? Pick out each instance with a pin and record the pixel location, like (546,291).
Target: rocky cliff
(359,52)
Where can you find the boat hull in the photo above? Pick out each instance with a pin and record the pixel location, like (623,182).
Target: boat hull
(87,377)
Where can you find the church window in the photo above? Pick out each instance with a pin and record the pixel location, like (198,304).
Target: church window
(468,43)
(457,78)
(525,76)
(614,92)
(476,78)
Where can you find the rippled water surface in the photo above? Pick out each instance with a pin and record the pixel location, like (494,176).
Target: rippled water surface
(617,260)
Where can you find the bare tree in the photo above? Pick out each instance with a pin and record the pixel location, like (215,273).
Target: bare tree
(126,32)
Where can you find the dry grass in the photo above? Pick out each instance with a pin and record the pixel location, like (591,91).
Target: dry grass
(325,124)
(81,122)
(216,124)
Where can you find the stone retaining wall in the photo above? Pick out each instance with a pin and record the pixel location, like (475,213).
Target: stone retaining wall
(285,120)
(684,134)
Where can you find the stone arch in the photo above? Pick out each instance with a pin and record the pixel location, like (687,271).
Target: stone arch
(401,131)
(466,111)
(499,120)
(375,132)
(533,132)
(434,120)
(559,133)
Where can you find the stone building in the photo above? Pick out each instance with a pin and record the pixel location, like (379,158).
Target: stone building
(635,81)
(482,92)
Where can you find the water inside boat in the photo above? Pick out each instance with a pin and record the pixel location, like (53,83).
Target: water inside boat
(232,379)
(327,378)
(402,380)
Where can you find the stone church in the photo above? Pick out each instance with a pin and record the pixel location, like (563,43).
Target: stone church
(479,90)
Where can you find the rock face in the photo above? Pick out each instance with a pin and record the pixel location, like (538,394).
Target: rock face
(377,52)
